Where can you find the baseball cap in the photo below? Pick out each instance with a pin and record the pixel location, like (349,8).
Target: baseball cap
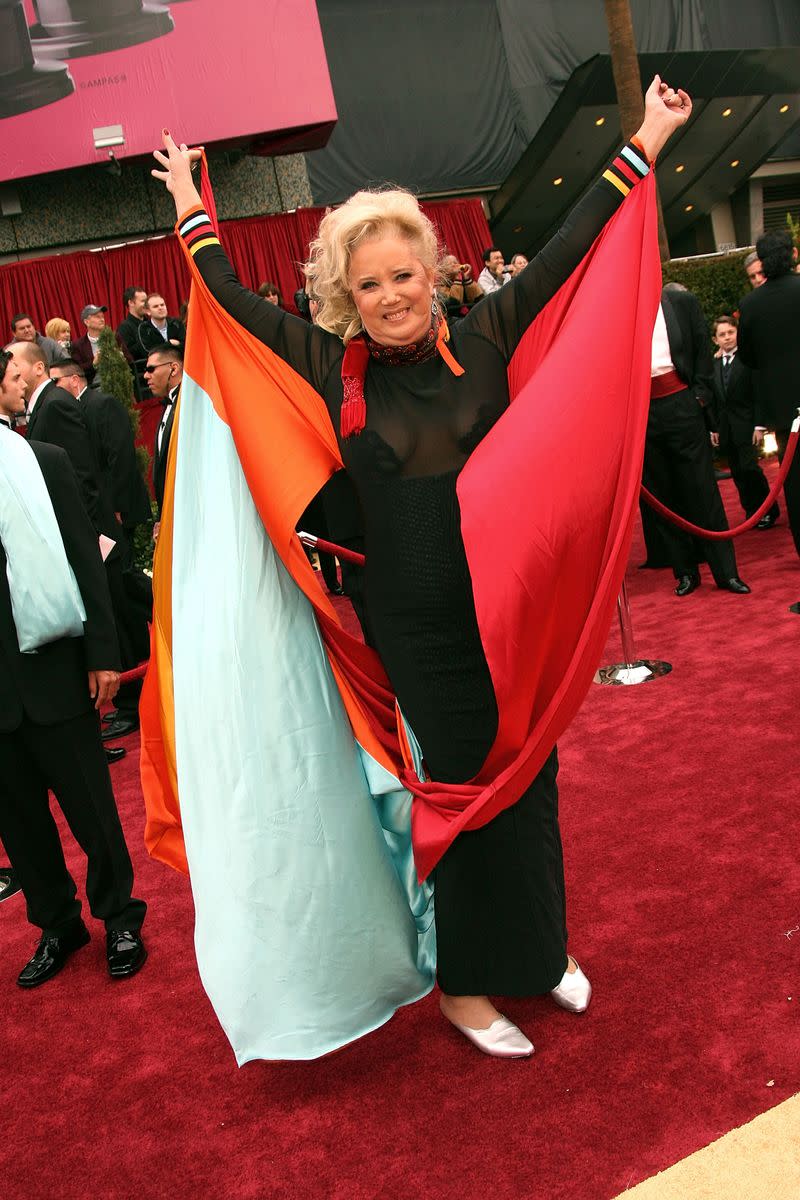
(92,310)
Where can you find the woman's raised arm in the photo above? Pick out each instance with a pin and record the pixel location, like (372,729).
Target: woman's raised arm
(504,316)
(308,350)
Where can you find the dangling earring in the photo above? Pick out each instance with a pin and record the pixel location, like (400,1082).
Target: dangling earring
(436,312)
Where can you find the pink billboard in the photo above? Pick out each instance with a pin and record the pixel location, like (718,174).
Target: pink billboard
(85,80)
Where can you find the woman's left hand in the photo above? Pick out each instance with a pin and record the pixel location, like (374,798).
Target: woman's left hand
(665,109)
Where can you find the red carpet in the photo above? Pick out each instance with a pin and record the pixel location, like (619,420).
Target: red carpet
(680,818)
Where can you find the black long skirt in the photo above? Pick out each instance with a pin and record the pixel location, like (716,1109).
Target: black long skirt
(500,903)
(499,890)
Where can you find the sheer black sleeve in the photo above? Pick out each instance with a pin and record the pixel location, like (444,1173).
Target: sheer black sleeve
(310,351)
(503,317)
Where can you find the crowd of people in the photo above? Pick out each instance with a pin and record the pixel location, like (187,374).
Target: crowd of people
(68,612)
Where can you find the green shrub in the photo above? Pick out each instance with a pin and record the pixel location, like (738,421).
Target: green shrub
(718,281)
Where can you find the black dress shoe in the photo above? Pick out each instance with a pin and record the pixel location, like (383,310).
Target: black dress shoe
(687,583)
(735,585)
(109,716)
(125,951)
(336,591)
(114,753)
(766,521)
(119,727)
(8,883)
(51,955)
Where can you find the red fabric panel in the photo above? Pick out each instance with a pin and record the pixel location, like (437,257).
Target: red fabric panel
(546,582)
(260,248)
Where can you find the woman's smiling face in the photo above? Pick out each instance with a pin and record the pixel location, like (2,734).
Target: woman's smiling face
(392,289)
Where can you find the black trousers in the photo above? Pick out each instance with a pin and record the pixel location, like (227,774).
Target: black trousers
(679,471)
(69,759)
(750,481)
(500,903)
(791,487)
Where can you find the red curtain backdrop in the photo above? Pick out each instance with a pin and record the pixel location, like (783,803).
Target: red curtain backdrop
(261,248)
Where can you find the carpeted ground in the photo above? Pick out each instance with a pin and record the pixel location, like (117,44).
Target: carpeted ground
(680,815)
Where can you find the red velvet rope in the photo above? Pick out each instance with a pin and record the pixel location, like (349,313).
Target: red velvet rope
(316,543)
(134,673)
(721,535)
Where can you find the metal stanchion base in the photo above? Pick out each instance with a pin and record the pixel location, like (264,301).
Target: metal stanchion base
(795,608)
(626,674)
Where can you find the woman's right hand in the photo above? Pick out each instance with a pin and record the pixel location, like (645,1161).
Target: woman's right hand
(176,175)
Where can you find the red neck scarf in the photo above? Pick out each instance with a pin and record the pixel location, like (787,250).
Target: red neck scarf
(361,349)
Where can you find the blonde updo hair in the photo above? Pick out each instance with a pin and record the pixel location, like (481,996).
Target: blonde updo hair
(365,217)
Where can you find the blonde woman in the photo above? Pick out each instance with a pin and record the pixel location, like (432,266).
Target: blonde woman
(58,329)
(408,411)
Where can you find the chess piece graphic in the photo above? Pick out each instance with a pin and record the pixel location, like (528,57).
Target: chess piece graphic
(25,82)
(75,28)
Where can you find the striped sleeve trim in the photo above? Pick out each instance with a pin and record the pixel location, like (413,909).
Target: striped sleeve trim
(625,171)
(196,230)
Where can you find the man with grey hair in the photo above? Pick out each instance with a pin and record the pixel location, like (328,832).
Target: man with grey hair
(754,270)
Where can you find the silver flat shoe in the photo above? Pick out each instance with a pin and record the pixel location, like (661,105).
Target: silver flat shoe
(502,1039)
(574,992)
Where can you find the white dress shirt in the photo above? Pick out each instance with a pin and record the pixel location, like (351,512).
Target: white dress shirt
(660,357)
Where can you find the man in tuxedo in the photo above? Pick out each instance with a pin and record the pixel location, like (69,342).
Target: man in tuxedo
(768,330)
(163,375)
(55,417)
(49,697)
(678,465)
(735,420)
(111,433)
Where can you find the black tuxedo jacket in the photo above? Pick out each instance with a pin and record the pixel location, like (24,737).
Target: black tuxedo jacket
(768,333)
(51,685)
(160,456)
(151,339)
(57,419)
(734,406)
(690,345)
(112,439)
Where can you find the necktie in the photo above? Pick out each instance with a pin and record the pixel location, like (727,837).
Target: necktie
(727,360)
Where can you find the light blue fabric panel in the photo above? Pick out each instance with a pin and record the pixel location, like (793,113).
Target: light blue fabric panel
(45,600)
(310,927)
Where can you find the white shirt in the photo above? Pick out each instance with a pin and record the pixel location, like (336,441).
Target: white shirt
(660,357)
(171,398)
(161,329)
(727,359)
(32,402)
(489,283)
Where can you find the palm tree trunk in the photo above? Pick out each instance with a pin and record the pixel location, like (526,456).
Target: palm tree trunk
(625,64)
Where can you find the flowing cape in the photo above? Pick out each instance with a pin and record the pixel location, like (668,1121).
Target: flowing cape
(267,727)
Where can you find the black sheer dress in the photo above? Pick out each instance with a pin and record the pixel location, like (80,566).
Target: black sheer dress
(499,890)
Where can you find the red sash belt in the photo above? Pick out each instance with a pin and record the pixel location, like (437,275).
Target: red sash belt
(666,385)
